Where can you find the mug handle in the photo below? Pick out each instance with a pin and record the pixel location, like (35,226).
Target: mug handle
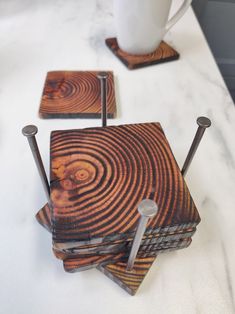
(184,7)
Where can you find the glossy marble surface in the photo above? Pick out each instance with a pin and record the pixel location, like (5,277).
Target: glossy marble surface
(38,36)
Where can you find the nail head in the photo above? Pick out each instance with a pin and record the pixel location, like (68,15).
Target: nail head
(102,75)
(30,130)
(204,122)
(148,208)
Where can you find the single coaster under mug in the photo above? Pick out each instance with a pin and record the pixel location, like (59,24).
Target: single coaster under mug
(164,53)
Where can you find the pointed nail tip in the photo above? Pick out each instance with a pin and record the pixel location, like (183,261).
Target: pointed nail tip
(129,268)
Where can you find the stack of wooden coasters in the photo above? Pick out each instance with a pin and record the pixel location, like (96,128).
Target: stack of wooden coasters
(116,196)
(98,177)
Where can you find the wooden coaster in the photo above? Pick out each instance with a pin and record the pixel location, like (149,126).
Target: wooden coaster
(100,175)
(75,94)
(164,53)
(129,281)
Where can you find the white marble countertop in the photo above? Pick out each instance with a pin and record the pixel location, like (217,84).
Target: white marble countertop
(38,36)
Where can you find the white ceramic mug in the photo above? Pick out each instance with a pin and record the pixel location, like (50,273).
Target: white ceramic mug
(142,24)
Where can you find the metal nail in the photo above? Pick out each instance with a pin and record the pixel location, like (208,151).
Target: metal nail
(147,209)
(30,131)
(103,76)
(203,124)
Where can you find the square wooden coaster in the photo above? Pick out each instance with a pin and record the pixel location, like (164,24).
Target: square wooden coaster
(75,94)
(100,175)
(130,281)
(164,53)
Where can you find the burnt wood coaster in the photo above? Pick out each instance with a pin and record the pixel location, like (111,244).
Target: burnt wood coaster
(164,53)
(129,281)
(100,175)
(75,94)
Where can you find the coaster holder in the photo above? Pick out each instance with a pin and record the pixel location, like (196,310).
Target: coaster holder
(130,264)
